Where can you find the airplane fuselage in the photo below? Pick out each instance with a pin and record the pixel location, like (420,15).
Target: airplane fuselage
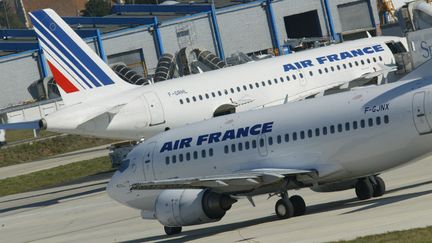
(144,111)
(342,137)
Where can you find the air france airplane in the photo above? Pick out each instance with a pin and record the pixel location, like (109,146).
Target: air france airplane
(99,103)
(193,174)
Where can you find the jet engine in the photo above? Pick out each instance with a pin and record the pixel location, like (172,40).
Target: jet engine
(191,206)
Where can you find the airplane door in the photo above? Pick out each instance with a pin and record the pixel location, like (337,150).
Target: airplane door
(419,113)
(262,145)
(148,162)
(157,115)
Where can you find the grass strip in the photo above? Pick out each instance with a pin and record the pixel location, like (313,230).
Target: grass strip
(17,135)
(54,176)
(418,235)
(51,146)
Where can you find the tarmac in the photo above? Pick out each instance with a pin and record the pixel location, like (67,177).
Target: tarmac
(84,213)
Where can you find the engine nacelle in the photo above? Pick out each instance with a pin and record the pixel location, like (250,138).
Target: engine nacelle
(333,187)
(191,206)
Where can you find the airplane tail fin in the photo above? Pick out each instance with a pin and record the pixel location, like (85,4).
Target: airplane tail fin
(78,71)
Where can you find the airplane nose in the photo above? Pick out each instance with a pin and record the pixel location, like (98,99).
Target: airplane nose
(117,188)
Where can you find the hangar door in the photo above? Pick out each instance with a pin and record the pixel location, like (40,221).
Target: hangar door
(354,16)
(303,25)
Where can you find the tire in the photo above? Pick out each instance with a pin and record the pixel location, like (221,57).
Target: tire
(299,205)
(379,188)
(364,189)
(284,209)
(172,230)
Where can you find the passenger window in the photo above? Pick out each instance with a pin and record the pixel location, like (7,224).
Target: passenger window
(338,67)
(180,157)
(181,101)
(203,153)
(320,71)
(257,85)
(188,157)
(200,97)
(386,119)
(326,70)
(226,149)
(233,148)
(324,130)
(294,77)
(167,160)
(301,75)
(332,129)
(332,68)
(174,159)
(309,133)
(378,121)
(370,122)
(288,78)
(211,152)
(240,147)
(269,82)
(286,137)
(281,79)
(195,155)
(317,132)
(232,90)
(344,66)
(238,89)
(261,142)
(302,134)
(219,93)
(355,125)
(226,91)
(374,59)
(270,140)
(279,139)
(294,136)
(263,84)
(247,145)
(380,58)
(213,94)
(275,81)
(244,87)
(356,63)
(368,60)
(339,127)
(254,144)
(194,99)
(207,96)
(347,126)
(187,100)
(350,64)
(362,62)
(311,73)
(362,123)
(250,86)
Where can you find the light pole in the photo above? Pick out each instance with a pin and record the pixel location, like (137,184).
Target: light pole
(6,16)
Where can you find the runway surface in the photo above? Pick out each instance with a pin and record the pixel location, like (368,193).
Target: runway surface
(84,212)
(54,161)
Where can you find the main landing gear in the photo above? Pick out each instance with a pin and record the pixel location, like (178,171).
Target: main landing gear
(289,207)
(372,186)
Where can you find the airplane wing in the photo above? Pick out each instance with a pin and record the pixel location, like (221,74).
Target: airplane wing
(243,180)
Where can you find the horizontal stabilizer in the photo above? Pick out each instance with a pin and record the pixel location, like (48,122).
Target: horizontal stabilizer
(21,125)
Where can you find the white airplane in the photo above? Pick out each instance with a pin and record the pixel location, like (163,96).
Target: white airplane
(99,103)
(193,174)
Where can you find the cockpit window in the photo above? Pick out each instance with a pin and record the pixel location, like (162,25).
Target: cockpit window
(124,165)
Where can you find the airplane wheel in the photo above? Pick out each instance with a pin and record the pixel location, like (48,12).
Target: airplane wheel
(284,209)
(172,230)
(299,205)
(379,188)
(364,189)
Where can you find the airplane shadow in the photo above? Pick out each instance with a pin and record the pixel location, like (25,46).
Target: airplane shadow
(313,209)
